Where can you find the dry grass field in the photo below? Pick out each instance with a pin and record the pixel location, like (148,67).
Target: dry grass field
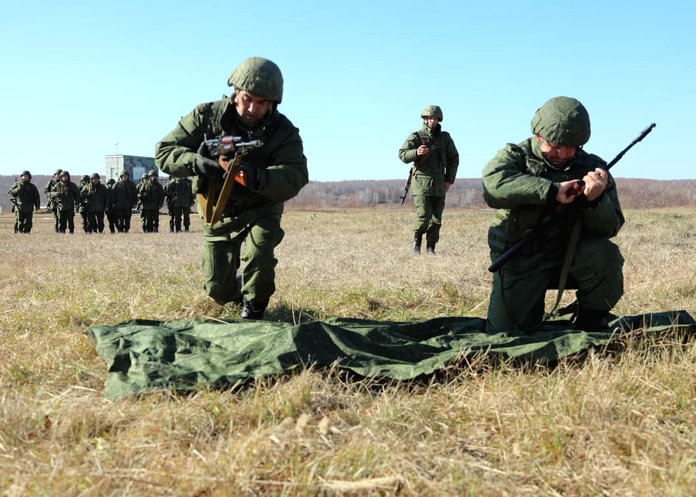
(602,425)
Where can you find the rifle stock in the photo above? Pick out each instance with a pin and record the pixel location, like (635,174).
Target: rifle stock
(408,184)
(532,233)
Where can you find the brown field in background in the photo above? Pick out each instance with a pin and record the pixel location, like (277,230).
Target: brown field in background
(617,425)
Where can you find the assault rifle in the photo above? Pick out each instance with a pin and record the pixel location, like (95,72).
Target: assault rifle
(535,231)
(13,200)
(229,151)
(408,183)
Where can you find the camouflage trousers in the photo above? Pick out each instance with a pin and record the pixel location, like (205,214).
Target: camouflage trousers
(149,220)
(66,221)
(95,221)
(428,216)
(222,257)
(85,220)
(519,287)
(176,214)
(56,218)
(123,220)
(111,218)
(23,221)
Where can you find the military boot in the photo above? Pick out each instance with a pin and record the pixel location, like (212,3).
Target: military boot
(417,240)
(253,309)
(430,248)
(591,319)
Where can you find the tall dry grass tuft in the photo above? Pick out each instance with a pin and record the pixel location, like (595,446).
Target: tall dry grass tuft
(614,422)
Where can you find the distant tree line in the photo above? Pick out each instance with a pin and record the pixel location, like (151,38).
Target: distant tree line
(633,193)
(466,192)
(362,193)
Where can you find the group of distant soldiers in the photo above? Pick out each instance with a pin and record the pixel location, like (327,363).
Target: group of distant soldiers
(95,201)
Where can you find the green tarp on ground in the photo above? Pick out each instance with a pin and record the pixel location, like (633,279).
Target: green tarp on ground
(192,354)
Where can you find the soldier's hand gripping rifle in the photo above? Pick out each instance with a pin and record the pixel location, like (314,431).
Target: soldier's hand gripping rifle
(534,232)
(229,151)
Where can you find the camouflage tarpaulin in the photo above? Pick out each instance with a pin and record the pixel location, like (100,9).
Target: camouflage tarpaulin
(146,356)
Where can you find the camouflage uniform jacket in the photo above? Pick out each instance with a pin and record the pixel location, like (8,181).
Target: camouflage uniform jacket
(124,195)
(436,168)
(151,195)
(523,185)
(48,189)
(66,195)
(280,161)
(26,196)
(82,206)
(179,193)
(95,197)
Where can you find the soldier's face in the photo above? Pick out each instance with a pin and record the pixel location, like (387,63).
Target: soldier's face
(251,108)
(558,154)
(431,121)
(25,177)
(95,181)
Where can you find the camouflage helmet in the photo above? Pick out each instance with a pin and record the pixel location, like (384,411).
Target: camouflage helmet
(95,176)
(562,121)
(153,172)
(110,181)
(259,76)
(58,172)
(123,171)
(85,177)
(64,173)
(432,111)
(25,173)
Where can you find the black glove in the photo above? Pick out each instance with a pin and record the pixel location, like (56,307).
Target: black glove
(204,165)
(248,176)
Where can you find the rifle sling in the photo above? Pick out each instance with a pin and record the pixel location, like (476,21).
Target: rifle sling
(568,260)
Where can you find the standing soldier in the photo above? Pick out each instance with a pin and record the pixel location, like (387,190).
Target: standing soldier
(124,198)
(66,195)
(110,205)
(158,190)
(51,204)
(179,201)
(527,182)
(82,209)
(95,196)
(151,197)
(267,177)
(435,162)
(26,198)
(144,181)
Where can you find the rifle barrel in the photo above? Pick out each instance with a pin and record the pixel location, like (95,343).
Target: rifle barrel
(642,135)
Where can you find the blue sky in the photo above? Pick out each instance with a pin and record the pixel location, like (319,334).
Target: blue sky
(79,78)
